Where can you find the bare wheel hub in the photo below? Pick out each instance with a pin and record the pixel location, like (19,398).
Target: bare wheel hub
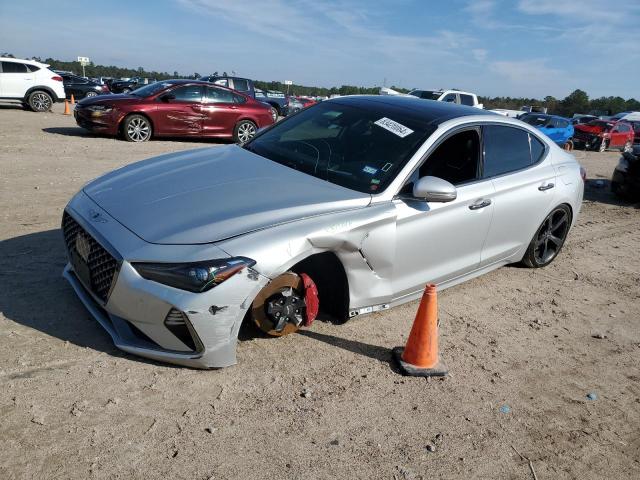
(280,308)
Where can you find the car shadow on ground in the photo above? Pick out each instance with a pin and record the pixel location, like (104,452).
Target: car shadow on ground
(35,295)
(599,190)
(81,132)
(12,106)
(70,131)
(360,348)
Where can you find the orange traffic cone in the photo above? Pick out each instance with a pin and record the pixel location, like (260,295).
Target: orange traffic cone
(66,108)
(73,100)
(420,356)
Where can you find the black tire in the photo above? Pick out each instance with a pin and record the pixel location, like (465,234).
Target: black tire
(40,101)
(137,128)
(549,238)
(244,131)
(603,146)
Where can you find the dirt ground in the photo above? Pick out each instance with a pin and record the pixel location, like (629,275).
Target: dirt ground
(520,345)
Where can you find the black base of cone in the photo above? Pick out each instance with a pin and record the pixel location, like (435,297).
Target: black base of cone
(439,370)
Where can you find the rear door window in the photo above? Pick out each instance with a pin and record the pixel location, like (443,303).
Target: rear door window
(466,99)
(188,94)
(33,68)
(219,95)
(241,84)
(13,67)
(506,149)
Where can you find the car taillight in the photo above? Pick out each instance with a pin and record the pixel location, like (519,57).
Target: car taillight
(583,173)
(57,78)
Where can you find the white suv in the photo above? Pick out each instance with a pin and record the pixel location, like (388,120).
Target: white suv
(30,83)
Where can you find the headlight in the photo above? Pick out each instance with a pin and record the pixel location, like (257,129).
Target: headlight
(100,108)
(195,277)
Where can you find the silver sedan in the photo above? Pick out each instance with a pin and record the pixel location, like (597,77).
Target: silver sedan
(349,207)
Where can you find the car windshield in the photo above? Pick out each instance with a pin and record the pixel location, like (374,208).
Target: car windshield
(151,89)
(537,120)
(356,147)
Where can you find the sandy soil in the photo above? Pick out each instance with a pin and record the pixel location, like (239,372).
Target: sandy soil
(72,406)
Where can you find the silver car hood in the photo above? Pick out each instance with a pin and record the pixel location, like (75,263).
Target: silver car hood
(208,195)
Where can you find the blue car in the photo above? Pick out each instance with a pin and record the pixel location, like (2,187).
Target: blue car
(558,129)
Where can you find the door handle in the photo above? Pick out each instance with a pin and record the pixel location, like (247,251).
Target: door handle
(548,186)
(479,205)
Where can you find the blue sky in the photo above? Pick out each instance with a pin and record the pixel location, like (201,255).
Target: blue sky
(491,47)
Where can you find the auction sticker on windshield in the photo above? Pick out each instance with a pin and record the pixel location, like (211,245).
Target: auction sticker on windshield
(394,127)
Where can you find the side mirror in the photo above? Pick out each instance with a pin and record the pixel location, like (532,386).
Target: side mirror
(434,189)
(168,97)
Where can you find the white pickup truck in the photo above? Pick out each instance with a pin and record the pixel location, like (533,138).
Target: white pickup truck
(452,96)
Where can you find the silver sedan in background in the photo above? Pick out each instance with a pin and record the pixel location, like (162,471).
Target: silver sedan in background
(349,207)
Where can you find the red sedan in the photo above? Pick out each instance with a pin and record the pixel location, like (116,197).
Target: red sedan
(175,108)
(602,134)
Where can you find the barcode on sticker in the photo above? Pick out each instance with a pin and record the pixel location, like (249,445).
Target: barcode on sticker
(394,127)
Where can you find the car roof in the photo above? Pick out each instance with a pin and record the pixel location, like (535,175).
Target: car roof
(20,60)
(430,112)
(547,115)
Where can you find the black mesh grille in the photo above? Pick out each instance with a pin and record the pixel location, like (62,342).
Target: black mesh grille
(102,266)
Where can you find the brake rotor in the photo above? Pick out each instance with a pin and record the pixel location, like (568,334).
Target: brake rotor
(280,308)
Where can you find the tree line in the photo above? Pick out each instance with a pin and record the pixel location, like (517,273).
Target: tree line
(576,102)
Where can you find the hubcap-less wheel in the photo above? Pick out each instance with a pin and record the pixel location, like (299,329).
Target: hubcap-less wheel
(603,146)
(40,102)
(628,147)
(280,308)
(551,236)
(126,90)
(138,129)
(246,131)
(91,94)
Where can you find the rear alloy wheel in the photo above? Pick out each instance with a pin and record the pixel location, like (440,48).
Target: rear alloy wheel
(40,101)
(126,90)
(549,239)
(90,94)
(603,146)
(137,128)
(244,131)
(628,147)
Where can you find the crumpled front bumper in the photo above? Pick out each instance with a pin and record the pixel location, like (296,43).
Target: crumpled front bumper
(135,311)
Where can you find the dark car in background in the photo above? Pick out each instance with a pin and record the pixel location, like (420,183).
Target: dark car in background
(625,181)
(558,129)
(580,119)
(277,100)
(81,87)
(175,108)
(603,134)
(126,86)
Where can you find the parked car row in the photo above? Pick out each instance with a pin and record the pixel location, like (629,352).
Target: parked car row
(189,108)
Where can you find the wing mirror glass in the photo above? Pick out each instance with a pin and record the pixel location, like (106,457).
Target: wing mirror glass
(434,189)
